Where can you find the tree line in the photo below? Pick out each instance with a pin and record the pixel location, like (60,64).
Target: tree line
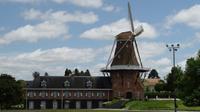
(77,72)
(185,83)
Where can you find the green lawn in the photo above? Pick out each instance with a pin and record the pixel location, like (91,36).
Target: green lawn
(72,110)
(132,106)
(158,105)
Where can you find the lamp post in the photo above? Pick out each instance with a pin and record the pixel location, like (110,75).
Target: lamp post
(174,48)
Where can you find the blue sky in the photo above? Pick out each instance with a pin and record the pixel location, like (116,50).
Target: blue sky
(51,35)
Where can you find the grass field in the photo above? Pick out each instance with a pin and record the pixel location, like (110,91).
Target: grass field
(144,106)
(80,110)
(158,105)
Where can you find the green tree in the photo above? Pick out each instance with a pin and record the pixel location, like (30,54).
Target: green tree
(46,74)
(153,74)
(11,91)
(68,72)
(161,86)
(87,73)
(173,78)
(189,86)
(36,74)
(76,72)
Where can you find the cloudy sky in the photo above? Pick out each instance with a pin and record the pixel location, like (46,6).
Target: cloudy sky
(51,35)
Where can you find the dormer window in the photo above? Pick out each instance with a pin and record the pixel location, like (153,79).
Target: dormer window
(89,84)
(43,83)
(66,83)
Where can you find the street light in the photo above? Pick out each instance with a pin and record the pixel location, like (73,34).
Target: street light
(174,48)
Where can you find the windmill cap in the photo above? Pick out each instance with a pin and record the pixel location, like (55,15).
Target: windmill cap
(124,35)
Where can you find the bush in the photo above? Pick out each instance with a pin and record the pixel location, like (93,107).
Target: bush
(159,94)
(194,99)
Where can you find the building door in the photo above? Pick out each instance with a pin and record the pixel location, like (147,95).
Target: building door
(31,105)
(129,95)
(66,105)
(89,104)
(43,105)
(55,104)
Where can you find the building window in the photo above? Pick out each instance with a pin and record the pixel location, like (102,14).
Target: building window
(128,84)
(55,94)
(42,94)
(30,94)
(34,94)
(98,94)
(43,83)
(66,83)
(103,94)
(89,84)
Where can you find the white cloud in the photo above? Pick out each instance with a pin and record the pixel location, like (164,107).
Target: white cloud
(151,49)
(23,1)
(33,33)
(54,25)
(53,61)
(69,55)
(83,3)
(109,8)
(110,30)
(61,16)
(190,17)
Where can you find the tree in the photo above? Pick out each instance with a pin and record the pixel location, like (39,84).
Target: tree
(161,86)
(173,78)
(87,73)
(11,91)
(153,74)
(36,74)
(68,72)
(190,81)
(46,74)
(76,72)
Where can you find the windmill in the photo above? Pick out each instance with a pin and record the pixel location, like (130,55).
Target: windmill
(125,66)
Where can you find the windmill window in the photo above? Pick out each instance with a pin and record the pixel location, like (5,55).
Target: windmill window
(43,83)
(89,84)
(66,83)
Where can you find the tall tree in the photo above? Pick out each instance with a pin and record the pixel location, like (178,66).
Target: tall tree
(87,73)
(68,72)
(173,78)
(76,72)
(36,74)
(46,74)
(153,74)
(11,91)
(189,86)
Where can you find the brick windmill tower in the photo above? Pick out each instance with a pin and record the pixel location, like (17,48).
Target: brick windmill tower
(125,67)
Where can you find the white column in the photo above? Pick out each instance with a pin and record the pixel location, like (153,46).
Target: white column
(78,104)
(89,104)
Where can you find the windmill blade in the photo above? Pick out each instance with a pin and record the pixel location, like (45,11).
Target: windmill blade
(140,60)
(130,16)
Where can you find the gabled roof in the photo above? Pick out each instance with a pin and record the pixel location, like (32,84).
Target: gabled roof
(75,81)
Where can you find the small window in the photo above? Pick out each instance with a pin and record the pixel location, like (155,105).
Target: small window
(66,83)
(43,83)
(89,84)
